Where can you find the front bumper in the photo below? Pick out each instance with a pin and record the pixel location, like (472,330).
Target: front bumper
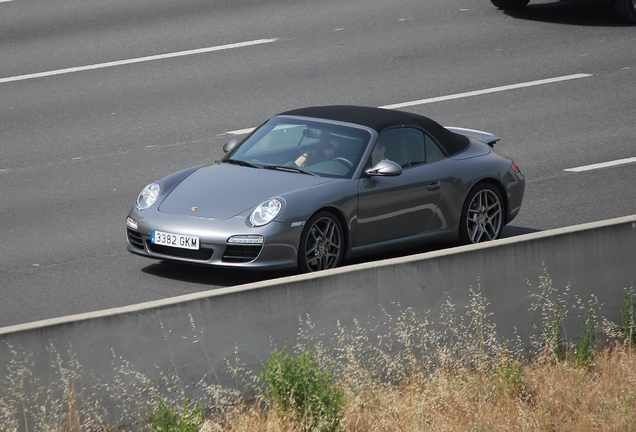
(279,249)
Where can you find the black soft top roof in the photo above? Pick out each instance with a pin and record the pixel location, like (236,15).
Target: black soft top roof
(380,119)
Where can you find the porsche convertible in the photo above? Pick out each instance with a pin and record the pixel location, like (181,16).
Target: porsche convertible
(313,187)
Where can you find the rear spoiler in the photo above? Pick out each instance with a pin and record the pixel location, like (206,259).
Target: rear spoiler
(486,137)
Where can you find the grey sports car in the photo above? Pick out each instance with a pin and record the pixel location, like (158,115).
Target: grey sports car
(314,186)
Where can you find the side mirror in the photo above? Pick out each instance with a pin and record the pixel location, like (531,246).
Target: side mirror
(386,168)
(230,145)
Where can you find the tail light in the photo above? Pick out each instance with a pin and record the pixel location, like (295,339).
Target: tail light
(515,167)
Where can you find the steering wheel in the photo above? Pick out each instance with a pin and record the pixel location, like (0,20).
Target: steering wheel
(346,162)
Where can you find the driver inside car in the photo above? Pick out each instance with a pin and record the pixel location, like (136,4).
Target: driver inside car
(325,150)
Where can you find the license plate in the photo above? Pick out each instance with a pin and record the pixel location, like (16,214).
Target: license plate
(174,240)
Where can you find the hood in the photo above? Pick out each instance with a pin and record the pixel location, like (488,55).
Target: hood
(222,191)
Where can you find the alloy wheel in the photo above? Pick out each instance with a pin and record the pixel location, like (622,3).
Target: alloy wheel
(322,244)
(484,216)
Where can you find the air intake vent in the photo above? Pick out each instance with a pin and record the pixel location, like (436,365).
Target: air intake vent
(241,253)
(135,240)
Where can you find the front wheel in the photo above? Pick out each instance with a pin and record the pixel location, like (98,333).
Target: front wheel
(321,244)
(625,10)
(482,215)
(510,4)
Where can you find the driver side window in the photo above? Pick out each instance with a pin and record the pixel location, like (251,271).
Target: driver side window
(407,147)
(404,146)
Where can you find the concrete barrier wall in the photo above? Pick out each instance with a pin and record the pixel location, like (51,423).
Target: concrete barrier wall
(194,334)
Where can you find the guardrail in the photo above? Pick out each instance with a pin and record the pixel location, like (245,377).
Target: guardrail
(169,335)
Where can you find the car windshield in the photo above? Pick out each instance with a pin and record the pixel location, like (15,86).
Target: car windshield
(305,146)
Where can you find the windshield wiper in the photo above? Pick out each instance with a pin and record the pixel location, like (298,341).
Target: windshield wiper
(240,162)
(289,169)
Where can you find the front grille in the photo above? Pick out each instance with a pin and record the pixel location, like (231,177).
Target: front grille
(134,238)
(241,253)
(201,254)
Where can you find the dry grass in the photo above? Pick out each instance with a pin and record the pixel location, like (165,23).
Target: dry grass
(456,375)
(553,397)
(402,373)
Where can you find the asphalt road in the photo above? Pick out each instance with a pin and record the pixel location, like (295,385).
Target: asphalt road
(97,99)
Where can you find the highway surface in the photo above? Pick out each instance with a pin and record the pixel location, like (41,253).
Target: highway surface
(100,98)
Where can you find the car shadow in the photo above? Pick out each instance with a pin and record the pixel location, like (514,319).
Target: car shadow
(227,277)
(222,277)
(569,13)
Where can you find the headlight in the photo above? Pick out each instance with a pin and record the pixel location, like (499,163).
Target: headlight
(266,212)
(148,196)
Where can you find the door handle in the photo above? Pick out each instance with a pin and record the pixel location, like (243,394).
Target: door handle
(434,185)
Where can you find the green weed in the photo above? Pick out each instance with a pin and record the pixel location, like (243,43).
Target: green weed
(586,348)
(168,419)
(298,390)
(509,371)
(628,318)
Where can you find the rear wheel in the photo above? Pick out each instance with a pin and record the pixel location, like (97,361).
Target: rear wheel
(322,243)
(482,215)
(625,10)
(510,4)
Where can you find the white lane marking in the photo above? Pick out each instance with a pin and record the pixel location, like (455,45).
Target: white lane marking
(602,165)
(240,131)
(460,95)
(486,91)
(136,60)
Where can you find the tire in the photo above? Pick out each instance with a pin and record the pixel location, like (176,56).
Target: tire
(322,243)
(482,215)
(510,4)
(625,10)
